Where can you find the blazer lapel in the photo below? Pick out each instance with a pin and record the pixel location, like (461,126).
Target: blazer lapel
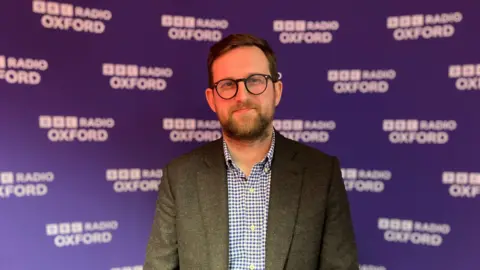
(213,202)
(286,185)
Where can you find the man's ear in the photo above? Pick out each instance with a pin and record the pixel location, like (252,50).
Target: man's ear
(278,88)
(210,99)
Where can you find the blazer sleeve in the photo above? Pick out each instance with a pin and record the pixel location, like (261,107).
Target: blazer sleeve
(162,248)
(338,250)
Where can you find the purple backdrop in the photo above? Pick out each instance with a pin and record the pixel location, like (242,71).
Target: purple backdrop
(97,96)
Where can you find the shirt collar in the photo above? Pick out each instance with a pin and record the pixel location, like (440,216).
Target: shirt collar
(266,162)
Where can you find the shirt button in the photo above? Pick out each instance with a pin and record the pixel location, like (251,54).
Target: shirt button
(252,228)
(252,266)
(252,190)
(265,170)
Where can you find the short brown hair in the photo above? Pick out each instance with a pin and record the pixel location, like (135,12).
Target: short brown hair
(239,40)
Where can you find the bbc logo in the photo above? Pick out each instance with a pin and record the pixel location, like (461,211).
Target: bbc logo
(120,70)
(178,123)
(344,75)
(53,8)
(178,21)
(461,178)
(405,21)
(46,121)
(349,173)
(3,63)
(6,178)
(288,124)
(64,228)
(457,71)
(289,25)
(395,224)
(123,174)
(400,125)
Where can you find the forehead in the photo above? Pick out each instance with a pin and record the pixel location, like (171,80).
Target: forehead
(240,62)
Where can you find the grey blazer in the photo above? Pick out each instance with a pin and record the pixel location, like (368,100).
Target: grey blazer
(309,221)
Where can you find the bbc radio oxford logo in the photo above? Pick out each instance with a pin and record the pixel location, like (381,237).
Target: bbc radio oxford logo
(406,231)
(462,184)
(414,131)
(72,128)
(307,131)
(352,81)
(364,180)
(66,17)
(303,31)
(134,77)
(77,233)
(467,76)
(424,26)
(24,184)
(134,179)
(184,130)
(194,29)
(22,70)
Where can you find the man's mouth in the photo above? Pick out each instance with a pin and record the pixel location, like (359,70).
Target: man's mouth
(242,110)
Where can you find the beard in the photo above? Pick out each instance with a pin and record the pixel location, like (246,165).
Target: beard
(249,127)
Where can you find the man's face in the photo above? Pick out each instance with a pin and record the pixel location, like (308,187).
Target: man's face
(245,116)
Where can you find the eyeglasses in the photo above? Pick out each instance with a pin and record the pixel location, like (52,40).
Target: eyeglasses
(255,84)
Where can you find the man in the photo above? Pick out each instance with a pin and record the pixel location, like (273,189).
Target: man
(252,199)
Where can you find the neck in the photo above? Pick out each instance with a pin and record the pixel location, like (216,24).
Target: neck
(248,153)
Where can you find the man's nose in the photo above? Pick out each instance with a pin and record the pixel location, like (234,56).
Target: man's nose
(242,93)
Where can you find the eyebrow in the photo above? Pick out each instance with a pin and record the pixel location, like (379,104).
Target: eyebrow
(248,74)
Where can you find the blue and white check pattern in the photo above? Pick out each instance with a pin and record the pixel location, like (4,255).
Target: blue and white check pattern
(248,200)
